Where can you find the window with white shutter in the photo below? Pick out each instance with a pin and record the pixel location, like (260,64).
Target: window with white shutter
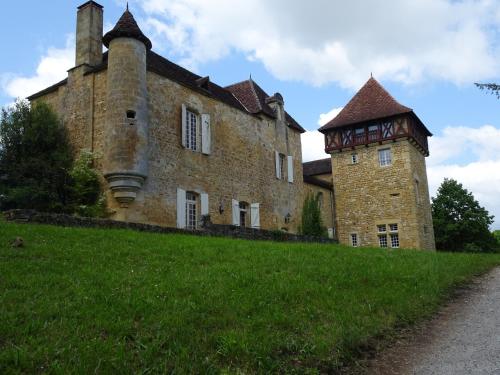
(236,212)
(183,125)
(277,163)
(290,168)
(181,208)
(204,204)
(205,134)
(255,215)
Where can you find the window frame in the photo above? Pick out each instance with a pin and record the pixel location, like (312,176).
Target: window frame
(282,161)
(192,140)
(354,240)
(191,210)
(385,157)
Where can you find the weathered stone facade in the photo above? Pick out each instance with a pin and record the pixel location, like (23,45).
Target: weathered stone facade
(242,163)
(241,166)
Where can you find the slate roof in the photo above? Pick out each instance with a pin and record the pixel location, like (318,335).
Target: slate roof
(126,27)
(316,181)
(371,102)
(317,167)
(88,3)
(246,96)
(254,99)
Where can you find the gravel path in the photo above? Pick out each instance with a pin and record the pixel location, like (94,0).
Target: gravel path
(463,339)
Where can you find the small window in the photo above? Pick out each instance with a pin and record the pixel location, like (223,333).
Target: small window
(191,211)
(385,157)
(354,158)
(191,130)
(320,200)
(417,191)
(354,240)
(382,240)
(382,228)
(282,166)
(394,240)
(130,114)
(393,227)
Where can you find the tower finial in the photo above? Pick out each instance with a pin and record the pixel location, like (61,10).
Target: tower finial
(371,74)
(127,6)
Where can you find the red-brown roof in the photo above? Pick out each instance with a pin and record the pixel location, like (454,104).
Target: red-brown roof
(128,28)
(371,102)
(253,98)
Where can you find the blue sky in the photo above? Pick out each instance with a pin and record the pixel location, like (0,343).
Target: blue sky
(316,54)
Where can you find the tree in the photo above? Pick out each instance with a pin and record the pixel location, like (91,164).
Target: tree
(492,87)
(460,223)
(311,217)
(37,170)
(35,158)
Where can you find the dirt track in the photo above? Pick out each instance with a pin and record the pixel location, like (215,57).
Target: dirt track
(463,339)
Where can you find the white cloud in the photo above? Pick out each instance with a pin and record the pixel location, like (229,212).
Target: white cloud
(51,69)
(472,157)
(324,41)
(313,146)
(324,118)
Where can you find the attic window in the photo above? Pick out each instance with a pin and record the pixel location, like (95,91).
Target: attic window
(203,82)
(130,114)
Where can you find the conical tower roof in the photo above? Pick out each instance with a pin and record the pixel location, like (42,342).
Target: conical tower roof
(371,102)
(127,27)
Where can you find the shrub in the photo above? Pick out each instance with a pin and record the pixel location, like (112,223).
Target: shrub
(311,217)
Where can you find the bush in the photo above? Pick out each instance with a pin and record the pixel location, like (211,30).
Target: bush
(311,217)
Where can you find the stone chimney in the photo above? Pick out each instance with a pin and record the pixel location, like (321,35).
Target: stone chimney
(277,103)
(89,29)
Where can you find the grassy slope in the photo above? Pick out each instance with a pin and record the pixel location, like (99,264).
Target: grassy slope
(110,301)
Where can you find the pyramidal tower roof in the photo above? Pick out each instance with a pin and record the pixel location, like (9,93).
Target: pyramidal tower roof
(371,102)
(127,27)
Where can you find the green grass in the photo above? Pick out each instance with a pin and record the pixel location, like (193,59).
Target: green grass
(122,302)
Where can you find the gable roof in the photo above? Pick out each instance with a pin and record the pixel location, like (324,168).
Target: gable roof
(254,99)
(371,102)
(127,27)
(317,167)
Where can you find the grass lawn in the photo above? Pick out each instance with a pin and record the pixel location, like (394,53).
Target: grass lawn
(122,302)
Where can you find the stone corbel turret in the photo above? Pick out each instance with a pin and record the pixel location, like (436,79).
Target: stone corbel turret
(127,121)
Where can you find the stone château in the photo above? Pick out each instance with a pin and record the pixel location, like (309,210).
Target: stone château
(173,146)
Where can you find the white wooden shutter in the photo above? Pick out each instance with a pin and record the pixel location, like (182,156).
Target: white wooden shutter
(205,134)
(330,233)
(183,125)
(277,161)
(290,168)
(181,208)
(255,215)
(236,212)
(204,204)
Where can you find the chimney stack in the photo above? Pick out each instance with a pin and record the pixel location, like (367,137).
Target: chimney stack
(89,29)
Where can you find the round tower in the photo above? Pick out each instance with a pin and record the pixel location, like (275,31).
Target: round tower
(126,130)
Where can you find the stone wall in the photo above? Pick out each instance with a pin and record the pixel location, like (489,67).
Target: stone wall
(208,229)
(367,195)
(241,165)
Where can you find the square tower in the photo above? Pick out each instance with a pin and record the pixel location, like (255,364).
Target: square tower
(378,149)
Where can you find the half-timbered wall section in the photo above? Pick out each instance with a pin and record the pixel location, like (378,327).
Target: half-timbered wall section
(377,131)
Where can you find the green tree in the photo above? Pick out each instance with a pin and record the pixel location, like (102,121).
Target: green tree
(311,217)
(460,223)
(496,233)
(35,158)
(37,170)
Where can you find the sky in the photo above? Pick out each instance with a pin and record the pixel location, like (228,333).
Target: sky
(317,54)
